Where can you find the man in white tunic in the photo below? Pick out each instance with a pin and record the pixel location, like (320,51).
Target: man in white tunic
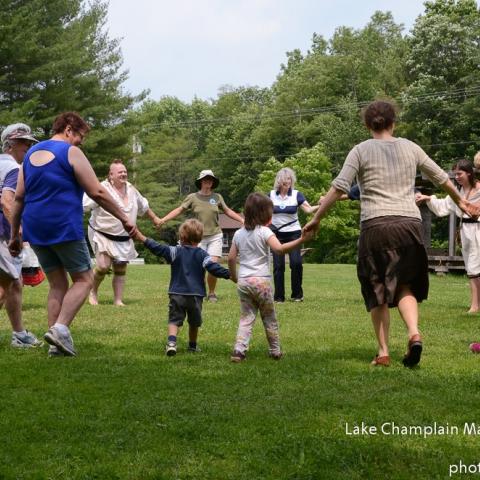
(112,246)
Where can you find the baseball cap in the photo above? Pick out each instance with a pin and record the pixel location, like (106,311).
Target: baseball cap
(17,131)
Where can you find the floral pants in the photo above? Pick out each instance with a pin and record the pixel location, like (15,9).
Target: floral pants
(256,294)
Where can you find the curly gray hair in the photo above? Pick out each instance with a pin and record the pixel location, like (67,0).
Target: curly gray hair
(283,175)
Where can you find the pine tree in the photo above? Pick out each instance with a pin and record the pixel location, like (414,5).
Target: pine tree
(55,56)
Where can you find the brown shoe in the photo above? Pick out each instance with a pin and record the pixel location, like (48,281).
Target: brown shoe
(381,361)
(414,351)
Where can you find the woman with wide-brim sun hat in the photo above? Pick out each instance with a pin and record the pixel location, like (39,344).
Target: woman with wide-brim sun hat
(205,206)
(392,262)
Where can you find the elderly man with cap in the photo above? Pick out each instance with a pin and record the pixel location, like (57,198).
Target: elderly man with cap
(204,205)
(109,240)
(16,139)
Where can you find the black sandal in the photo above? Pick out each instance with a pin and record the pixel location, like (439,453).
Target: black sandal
(414,352)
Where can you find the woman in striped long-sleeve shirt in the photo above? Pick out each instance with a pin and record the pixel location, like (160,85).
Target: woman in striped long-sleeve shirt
(392,262)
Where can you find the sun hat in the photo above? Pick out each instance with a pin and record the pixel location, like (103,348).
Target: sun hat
(17,131)
(204,174)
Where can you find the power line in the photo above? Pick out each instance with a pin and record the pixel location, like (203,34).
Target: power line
(338,107)
(263,157)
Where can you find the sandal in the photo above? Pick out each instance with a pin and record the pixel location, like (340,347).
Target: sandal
(414,352)
(381,361)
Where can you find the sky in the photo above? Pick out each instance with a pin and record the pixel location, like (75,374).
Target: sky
(191,48)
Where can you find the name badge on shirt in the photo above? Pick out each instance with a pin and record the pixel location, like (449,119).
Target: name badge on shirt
(213,201)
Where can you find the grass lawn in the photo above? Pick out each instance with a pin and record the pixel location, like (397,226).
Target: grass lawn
(123,410)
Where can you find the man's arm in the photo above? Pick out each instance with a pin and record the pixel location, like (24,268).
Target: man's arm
(8,198)
(15,244)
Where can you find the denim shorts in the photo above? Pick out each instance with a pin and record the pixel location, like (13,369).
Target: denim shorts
(72,256)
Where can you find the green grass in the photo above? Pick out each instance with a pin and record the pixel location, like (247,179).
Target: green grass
(123,410)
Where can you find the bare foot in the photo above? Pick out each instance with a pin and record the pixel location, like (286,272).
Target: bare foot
(119,304)
(473,310)
(92,298)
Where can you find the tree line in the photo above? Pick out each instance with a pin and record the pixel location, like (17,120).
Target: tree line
(57,56)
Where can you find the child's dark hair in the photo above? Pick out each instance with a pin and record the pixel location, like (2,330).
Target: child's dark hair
(466,166)
(379,115)
(258,210)
(190,232)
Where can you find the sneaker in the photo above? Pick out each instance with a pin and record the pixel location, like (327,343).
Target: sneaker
(237,356)
(300,299)
(53,351)
(276,355)
(171,349)
(63,342)
(194,349)
(279,301)
(26,340)
(212,298)
(475,347)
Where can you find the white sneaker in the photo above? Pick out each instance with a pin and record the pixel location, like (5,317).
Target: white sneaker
(171,349)
(63,342)
(25,340)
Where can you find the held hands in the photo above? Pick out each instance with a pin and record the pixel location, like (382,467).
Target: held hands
(307,235)
(158,222)
(311,228)
(420,198)
(472,209)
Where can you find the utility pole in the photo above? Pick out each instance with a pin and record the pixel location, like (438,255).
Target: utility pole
(136,150)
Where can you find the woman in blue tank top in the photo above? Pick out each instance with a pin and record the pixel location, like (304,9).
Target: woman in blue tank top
(49,193)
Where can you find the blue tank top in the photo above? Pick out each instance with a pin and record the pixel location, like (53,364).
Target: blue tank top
(53,198)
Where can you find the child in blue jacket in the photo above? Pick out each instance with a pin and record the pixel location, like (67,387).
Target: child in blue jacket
(187,283)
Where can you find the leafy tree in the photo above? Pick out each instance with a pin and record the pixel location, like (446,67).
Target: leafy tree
(339,230)
(230,150)
(56,56)
(317,96)
(441,103)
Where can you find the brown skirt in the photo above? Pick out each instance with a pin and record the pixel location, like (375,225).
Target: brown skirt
(391,253)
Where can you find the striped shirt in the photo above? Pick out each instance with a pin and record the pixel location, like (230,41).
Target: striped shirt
(385,171)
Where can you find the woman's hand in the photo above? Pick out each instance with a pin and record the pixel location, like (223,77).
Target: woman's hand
(307,236)
(472,209)
(420,198)
(312,226)
(15,246)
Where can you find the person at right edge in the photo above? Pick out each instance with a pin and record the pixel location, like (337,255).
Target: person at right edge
(392,261)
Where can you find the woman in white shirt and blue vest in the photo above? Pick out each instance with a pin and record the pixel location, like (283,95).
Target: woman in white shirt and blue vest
(286,202)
